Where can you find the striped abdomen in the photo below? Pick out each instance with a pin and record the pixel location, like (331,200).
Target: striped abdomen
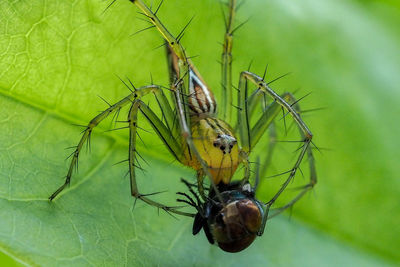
(201,100)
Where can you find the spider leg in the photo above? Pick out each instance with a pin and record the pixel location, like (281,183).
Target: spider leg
(258,81)
(86,135)
(270,149)
(169,38)
(254,133)
(165,135)
(99,118)
(311,162)
(226,64)
(200,185)
(250,136)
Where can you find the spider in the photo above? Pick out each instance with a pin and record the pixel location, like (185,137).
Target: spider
(227,211)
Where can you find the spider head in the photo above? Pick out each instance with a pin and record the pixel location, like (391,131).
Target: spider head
(233,224)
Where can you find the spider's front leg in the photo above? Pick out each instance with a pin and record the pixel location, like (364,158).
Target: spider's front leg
(251,135)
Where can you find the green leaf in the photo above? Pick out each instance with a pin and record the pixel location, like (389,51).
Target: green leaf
(57,56)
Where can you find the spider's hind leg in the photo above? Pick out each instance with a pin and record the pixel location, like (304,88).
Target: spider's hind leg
(165,135)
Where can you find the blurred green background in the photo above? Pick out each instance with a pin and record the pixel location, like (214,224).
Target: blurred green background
(57,56)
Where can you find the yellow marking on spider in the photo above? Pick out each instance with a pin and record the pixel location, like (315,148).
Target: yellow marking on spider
(217,146)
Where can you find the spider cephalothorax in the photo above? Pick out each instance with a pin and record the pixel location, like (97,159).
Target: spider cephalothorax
(218,148)
(198,136)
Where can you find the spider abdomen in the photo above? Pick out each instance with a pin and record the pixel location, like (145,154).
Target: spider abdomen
(201,100)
